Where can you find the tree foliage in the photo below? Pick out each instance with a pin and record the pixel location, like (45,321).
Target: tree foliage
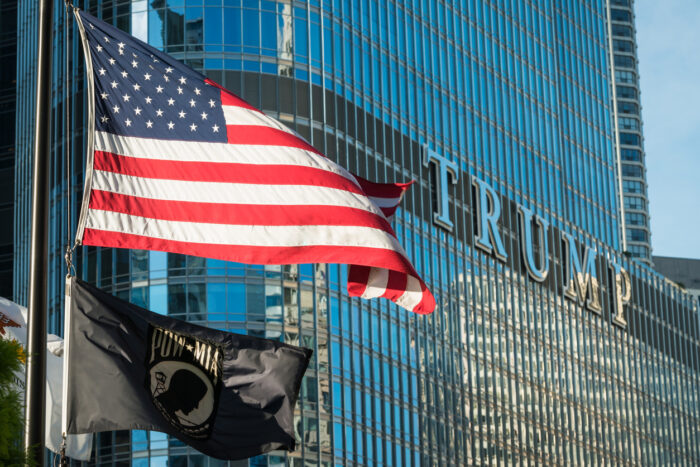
(11,413)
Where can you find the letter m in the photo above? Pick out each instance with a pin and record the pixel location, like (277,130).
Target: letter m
(580,281)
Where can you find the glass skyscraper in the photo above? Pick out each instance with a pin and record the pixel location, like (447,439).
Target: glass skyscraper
(630,139)
(8,55)
(503,114)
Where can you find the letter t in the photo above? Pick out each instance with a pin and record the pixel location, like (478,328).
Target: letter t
(445,168)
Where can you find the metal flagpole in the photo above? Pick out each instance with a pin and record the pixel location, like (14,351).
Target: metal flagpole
(63,460)
(34,438)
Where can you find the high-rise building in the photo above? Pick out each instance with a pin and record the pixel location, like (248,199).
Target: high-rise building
(8,56)
(628,126)
(548,346)
(683,271)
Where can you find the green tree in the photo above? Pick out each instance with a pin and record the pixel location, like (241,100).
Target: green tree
(11,413)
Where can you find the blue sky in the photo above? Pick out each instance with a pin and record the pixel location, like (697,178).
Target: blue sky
(668,38)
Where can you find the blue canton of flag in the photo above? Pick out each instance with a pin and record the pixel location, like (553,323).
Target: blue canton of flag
(146,93)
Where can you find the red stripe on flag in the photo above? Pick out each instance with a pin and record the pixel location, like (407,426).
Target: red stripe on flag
(383,190)
(427,303)
(225,172)
(393,191)
(358,276)
(366,256)
(235,214)
(266,136)
(396,285)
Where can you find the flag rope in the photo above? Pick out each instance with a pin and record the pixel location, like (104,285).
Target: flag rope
(67,140)
(63,462)
(66,354)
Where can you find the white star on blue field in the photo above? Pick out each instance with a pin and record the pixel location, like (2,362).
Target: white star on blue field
(141,92)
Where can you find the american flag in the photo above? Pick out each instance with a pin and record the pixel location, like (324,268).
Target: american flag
(179,164)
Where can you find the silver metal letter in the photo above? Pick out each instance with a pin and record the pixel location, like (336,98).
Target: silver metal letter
(445,169)
(527,250)
(622,293)
(488,210)
(578,280)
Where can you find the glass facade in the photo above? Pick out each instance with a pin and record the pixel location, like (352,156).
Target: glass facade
(507,369)
(8,55)
(629,130)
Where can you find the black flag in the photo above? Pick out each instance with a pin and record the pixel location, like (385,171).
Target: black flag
(227,395)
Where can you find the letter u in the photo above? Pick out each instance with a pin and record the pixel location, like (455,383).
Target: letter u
(527,249)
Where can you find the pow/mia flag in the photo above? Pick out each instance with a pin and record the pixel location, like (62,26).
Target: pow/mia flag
(184,379)
(227,395)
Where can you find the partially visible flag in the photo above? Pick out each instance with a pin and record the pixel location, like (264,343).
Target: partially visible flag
(78,447)
(373,282)
(227,395)
(179,164)
(10,315)
(386,196)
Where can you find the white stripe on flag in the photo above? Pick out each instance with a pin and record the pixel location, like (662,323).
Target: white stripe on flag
(245,235)
(385,202)
(241,116)
(413,295)
(229,193)
(196,151)
(376,283)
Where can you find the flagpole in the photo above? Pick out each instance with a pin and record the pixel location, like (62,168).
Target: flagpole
(34,438)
